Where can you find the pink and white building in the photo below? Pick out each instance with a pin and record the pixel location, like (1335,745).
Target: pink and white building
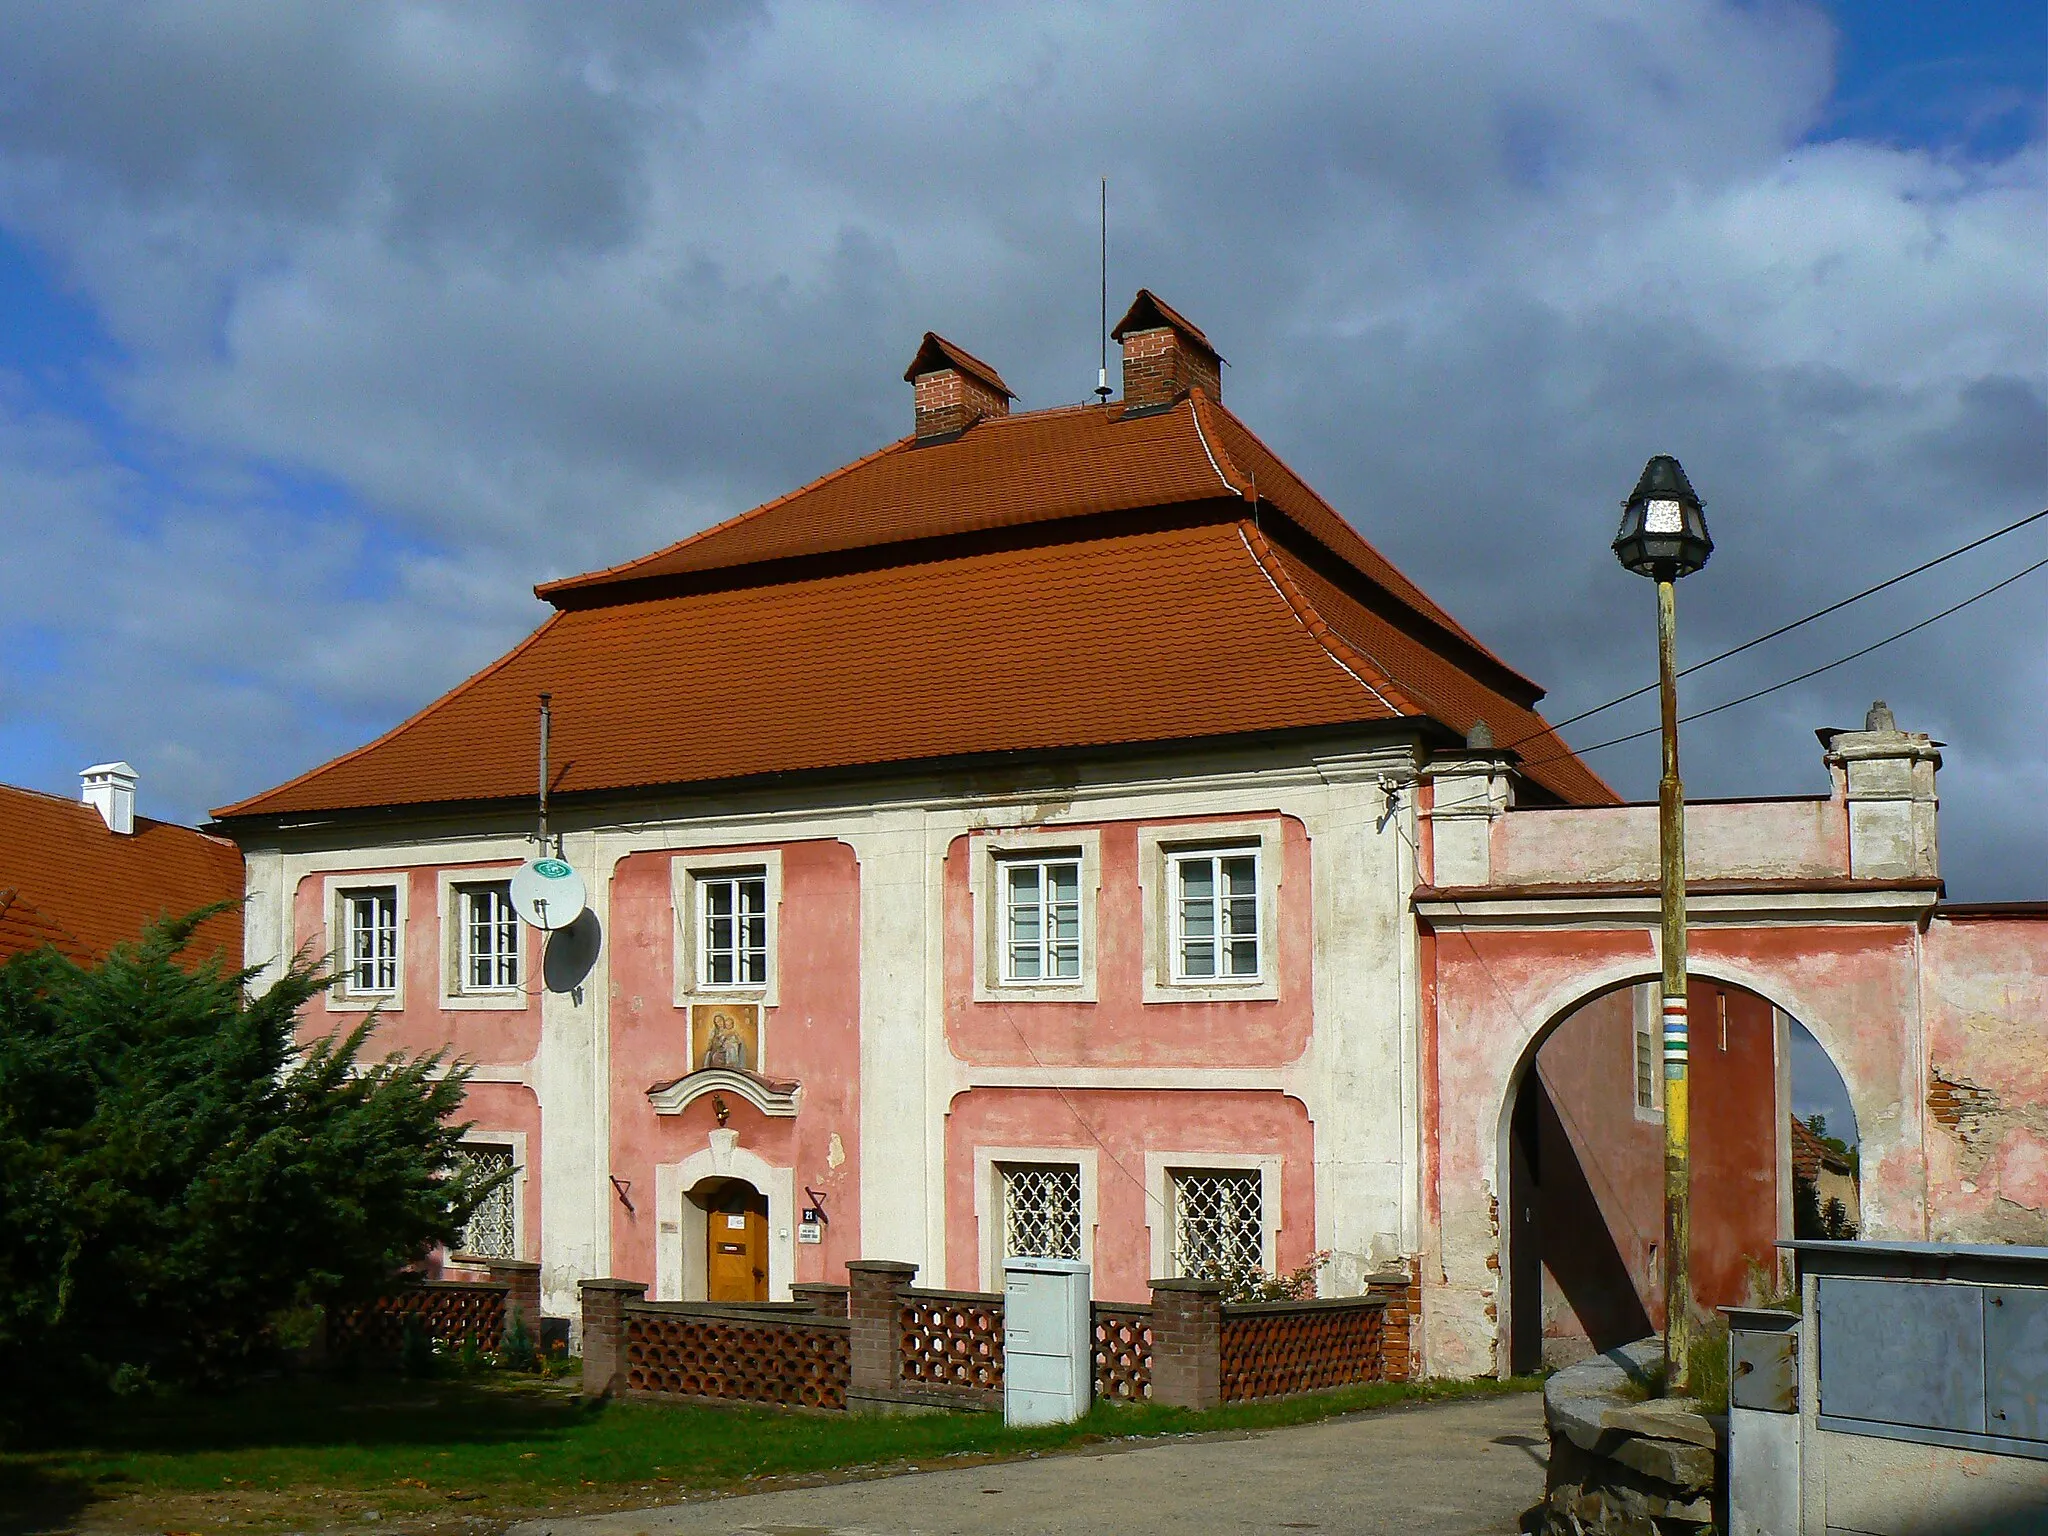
(1041,835)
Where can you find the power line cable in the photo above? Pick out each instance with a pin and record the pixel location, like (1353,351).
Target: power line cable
(1786,629)
(1802,677)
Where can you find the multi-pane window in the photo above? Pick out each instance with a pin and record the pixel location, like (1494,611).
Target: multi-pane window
(735,930)
(492,1231)
(1041,919)
(1215,916)
(1218,1223)
(489,958)
(370,940)
(1041,1211)
(1647,1053)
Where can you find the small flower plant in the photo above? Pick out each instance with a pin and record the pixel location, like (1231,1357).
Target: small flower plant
(1248,1282)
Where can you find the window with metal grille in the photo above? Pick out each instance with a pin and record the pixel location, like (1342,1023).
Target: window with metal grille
(1041,1211)
(735,929)
(1216,916)
(1218,1223)
(1041,919)
(492,1231)
(371,940)
(489,961)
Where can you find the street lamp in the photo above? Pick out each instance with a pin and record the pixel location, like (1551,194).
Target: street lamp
(1664,536)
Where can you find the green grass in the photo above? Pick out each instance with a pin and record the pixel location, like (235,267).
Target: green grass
(497,1446)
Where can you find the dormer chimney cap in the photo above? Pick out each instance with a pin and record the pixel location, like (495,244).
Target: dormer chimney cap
(936,354)
(1149,312)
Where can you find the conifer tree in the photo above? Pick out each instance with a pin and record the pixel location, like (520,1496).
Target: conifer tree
(178,1171)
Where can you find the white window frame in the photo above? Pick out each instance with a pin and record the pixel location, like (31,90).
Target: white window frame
(1645,1031)
(986,853)
(736,882)
(343,997)
(1158,848)
(456,993)
(688,872)
(516,1140)
(1159,1170)
(1222,938)
(989,1163)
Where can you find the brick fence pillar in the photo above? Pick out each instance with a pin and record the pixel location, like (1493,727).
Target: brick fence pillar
(604,1333)
(874,1308)
(822,1297)
(521,1279)
(1187,1343)
(1400,1324)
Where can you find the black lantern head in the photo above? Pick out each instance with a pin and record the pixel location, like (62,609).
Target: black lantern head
(1663,526)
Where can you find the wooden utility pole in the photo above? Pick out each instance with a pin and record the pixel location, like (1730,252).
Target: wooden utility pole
(1678,1321)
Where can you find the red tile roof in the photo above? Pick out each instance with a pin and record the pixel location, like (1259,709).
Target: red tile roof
(1062,579)
(23,927)
(101,887)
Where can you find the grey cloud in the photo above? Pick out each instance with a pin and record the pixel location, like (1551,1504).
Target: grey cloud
(539,288)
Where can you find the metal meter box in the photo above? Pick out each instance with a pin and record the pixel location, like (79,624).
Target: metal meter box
(1763,1421)
(1048,1341)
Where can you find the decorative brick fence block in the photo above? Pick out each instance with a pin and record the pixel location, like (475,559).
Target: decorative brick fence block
(450,1312)
(953,1340)
(1275,1349)
(1123,1353)
(677,1350)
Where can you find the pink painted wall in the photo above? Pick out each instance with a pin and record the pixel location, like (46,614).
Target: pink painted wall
(1119,1128)
(1120,1028)
(1600,1163)
(505,1038)
(812,1035)
(1987,1088)
(1753,839)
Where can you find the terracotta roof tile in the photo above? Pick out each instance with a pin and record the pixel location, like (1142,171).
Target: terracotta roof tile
(24,927)
(1002,472)
(102,887)
(1064,645)
(1446,692)
(933,642)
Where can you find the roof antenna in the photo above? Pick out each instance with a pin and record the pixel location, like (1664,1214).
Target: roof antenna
(1102,374)
(545,722)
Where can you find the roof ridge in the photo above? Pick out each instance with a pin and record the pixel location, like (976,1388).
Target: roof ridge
(1442,618)
(561,583)
(1244,485)
(1349,657)
(242,806)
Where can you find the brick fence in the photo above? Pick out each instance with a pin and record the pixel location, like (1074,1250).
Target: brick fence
(880,1344)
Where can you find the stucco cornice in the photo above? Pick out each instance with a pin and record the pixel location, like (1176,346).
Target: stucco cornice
(779,1100)
(1709,903)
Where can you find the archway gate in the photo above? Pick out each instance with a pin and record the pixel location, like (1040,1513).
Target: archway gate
(1830,907)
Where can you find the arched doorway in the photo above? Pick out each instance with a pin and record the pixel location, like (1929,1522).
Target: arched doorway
(1583,1225)
(731,1216)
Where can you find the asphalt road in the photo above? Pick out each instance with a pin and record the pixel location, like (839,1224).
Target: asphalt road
(1462,1469)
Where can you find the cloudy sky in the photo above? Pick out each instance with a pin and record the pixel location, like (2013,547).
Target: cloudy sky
(326,331)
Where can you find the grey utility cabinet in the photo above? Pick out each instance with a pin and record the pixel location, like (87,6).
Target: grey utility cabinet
(1048,1341)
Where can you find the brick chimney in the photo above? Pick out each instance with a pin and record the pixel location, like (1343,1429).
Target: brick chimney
(109,788)
(954,389)
(1165,355)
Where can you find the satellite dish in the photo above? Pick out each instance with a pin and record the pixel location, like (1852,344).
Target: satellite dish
(548,893)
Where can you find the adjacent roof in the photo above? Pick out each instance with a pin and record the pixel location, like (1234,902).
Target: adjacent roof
(68,878)
(1810,1154)
(1058,580)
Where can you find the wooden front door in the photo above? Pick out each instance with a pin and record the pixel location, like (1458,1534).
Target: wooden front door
(736,1246)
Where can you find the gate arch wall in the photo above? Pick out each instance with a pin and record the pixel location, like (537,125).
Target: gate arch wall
(1502,980)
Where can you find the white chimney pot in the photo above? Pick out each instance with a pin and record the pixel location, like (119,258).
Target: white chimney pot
(109,788)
